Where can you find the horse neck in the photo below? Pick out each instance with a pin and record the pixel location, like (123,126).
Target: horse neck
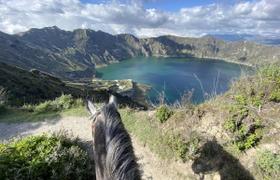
(113,150)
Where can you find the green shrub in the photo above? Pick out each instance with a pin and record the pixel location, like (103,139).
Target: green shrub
(183,149)
(272,73)
(247,98)
(275,95)
(163,113)
(46,106)
(230,125)
(63,102)
(44,157)
(272,76)
(269,164)
(251,141)
(178,145)
(247,142)
(245,134)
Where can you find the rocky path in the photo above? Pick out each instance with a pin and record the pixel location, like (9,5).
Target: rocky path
(153,168)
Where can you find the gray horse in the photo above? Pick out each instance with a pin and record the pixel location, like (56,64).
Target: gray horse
(112,147)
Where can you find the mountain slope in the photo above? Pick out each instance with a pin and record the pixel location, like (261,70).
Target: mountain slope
(209,47)
(32,87)
(74,54)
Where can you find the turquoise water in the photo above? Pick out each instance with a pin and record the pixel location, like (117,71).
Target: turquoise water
(174,76)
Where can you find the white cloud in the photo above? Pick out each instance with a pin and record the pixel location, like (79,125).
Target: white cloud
(256,17)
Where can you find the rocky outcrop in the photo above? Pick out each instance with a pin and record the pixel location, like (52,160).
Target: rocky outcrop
(127,88)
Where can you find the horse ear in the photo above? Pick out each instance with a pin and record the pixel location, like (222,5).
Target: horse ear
(91,108)
(113,100)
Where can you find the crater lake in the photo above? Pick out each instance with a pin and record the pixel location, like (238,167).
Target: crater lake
(176,76)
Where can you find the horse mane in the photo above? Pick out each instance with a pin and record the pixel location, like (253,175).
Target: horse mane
(113,150)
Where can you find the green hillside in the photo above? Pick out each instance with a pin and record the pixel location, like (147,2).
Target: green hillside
(32,87)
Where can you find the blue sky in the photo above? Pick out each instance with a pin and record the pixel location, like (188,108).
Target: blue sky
(169,5)
(145,18)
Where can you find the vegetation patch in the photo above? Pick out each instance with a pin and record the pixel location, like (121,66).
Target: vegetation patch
(269,164)
(63,105)
(275,95)
(147,131)
(45,157)
(163,113)
(183,149)
(248,96)
(63,102)
(165,144)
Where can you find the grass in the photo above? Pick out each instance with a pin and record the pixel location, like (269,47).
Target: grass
(165,144)
(140,125)
(269,164)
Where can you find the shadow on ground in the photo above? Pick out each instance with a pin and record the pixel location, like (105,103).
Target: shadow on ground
(213,158)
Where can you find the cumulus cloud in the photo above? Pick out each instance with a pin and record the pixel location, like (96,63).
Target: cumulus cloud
(130,16)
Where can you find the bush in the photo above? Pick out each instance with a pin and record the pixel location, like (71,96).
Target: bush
(44,157)
(247,98)
(63,102)
(183,149)
(230,125)
(243,125)
(178,145)
(269,164)
(46,106)
(275,95)
(163,113)
(247,142)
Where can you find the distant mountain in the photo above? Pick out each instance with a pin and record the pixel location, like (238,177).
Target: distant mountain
(271,40)
(74,54)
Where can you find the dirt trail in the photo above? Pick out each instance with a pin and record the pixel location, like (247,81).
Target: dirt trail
(153,168)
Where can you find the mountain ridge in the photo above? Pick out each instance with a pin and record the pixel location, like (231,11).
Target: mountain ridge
(75,54)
